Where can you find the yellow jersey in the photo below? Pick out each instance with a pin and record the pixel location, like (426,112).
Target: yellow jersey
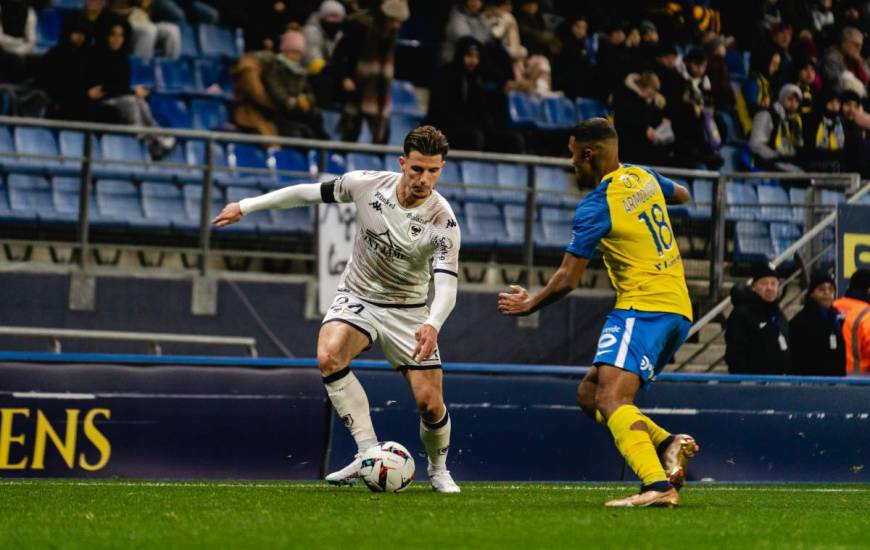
(626,217)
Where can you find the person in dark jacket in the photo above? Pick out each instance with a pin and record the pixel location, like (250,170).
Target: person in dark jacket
(816,336)
(637,107)
(757,332)
(459,106)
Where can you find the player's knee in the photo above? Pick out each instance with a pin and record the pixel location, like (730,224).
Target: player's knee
(586,398)
(329,361)
(606,403)
(431,407)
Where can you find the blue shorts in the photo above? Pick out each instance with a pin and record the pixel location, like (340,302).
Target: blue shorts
(641,342)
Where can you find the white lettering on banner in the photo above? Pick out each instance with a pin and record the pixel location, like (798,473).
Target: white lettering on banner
(336,230)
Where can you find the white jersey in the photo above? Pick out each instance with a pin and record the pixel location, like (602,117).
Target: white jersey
(394,246)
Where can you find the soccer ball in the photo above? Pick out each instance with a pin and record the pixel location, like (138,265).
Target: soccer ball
(387,468)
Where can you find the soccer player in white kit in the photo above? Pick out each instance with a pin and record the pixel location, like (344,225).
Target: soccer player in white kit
(404,229)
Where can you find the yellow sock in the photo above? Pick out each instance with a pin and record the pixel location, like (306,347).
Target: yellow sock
(656,433)
(635,445)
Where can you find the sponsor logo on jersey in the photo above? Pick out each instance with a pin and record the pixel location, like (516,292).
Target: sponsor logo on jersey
(638,199)
(415,218)
(380,196)
(609,330)
(442,245)
(629,179)
(645,365)
(606,341)
(348,420)
(382,243)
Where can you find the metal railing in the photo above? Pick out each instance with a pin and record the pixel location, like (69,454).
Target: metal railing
(154,339)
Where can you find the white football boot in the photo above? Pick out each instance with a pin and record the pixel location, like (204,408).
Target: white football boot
(442,481)
(347,475)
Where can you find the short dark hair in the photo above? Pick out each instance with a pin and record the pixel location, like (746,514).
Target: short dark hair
(427,140)
(594,129)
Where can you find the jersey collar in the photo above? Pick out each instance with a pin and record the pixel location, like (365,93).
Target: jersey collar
(609,176)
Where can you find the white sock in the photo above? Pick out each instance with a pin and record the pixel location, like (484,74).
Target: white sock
(350,402)
(436,438)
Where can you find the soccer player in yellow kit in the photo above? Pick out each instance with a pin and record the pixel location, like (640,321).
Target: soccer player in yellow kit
(626,217)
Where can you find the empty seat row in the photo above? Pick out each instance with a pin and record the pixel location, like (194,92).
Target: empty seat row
(761,242)
(486,225)
(196,114)
(198,77)
(151,206)
(550,113)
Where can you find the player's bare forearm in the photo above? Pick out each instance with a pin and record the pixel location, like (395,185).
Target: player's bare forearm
(681,195)
(566,279)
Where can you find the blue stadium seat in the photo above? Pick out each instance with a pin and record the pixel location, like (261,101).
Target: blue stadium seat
(68,4)
(797,196)
(217,41)
(142,73)
(783,235)
(404,99)
(7,149)
(524,110)
(476,172)
(514,221)
(680,210)
(209,71)
(330,123)
(557,214)
(293,161)
(702,199)
(555,234)
(170,111)
(72,144)
(10,216)
(484,225)
(168,169)
(195,155)
(209,114)
(252,222)
(400,126)
(126,148)
(192,194)
(364,161)
(33,194)
(770,195)
(247,156)
(118,203)
(590,108)
(189,46)
(832,198)
(737,61)
(741,201)
(48,24)
(451,173)
(550,185)
(558,113)
(450,183)
(174,76)
(752,242)
(65,195)
(513,177)
(37,141)
(164,202)
(732,157)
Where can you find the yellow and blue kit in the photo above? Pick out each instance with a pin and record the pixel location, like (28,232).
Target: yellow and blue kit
(626,217)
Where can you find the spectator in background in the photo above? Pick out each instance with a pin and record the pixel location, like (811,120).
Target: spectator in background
(697,136)
(458,105)
(717,71)
(17,39)
(534,34)
(504,28)
(614,62)
(854,306)
(184,11)
(286,82)
(855,124)
(644,54)
(757,332)
(781,35)
(253,109)
(572,68)
(777,132)
(465,19)
(108,86)
(667,68)
(816,335)
(148,36)
(639,120)
(823,21)
(322,33)
(267,22)
(364,62)
(759,90)
(805,78)
(824,136)
(843,68)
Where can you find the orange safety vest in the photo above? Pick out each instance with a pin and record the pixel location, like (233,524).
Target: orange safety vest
(856,334)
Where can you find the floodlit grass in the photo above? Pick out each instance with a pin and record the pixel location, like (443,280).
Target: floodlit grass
(169,515)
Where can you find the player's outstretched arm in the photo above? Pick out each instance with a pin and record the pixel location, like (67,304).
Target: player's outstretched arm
(566,279)
(442,305)
(681,195)
(303,194)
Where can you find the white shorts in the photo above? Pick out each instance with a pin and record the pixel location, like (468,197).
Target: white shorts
(393,324)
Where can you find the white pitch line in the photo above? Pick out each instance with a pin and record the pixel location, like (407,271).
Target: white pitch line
(50,395)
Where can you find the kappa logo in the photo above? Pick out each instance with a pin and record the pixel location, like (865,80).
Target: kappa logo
(443,450)
(376,205)
(414,230)
(348,420)
(451,224)
(606,341)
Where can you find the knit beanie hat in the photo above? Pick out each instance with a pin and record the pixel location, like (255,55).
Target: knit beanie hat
(397,9)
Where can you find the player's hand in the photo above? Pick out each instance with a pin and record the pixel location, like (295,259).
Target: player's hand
(514,303)
(427,339)
(231,214)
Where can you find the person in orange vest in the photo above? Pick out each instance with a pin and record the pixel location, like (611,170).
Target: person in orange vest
(855,308)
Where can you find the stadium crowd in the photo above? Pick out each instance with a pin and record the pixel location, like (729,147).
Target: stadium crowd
(784,79)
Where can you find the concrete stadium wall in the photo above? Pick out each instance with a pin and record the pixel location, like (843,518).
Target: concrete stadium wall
(134,416)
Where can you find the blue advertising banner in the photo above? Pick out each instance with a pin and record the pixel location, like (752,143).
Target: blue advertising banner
(853,242)
(167,421)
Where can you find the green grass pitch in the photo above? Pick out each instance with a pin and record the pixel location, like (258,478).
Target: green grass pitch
(168,515)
